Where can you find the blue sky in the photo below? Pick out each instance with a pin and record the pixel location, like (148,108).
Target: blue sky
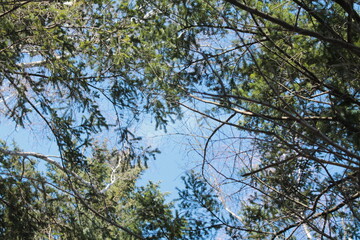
(177,155)
(174,160)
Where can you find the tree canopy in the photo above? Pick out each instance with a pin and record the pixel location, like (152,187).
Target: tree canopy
(278,85)
(72,71)
(275,83)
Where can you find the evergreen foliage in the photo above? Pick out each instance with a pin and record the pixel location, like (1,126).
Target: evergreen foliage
(277,84)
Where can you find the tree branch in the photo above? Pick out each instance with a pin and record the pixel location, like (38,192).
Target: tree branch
(294,28)
(14,8)
(50,161)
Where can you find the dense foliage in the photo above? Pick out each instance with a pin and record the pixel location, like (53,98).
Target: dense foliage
(276,84)
(104,203)
(72,73)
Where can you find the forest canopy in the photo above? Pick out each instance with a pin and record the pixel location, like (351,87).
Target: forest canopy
(275,86)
